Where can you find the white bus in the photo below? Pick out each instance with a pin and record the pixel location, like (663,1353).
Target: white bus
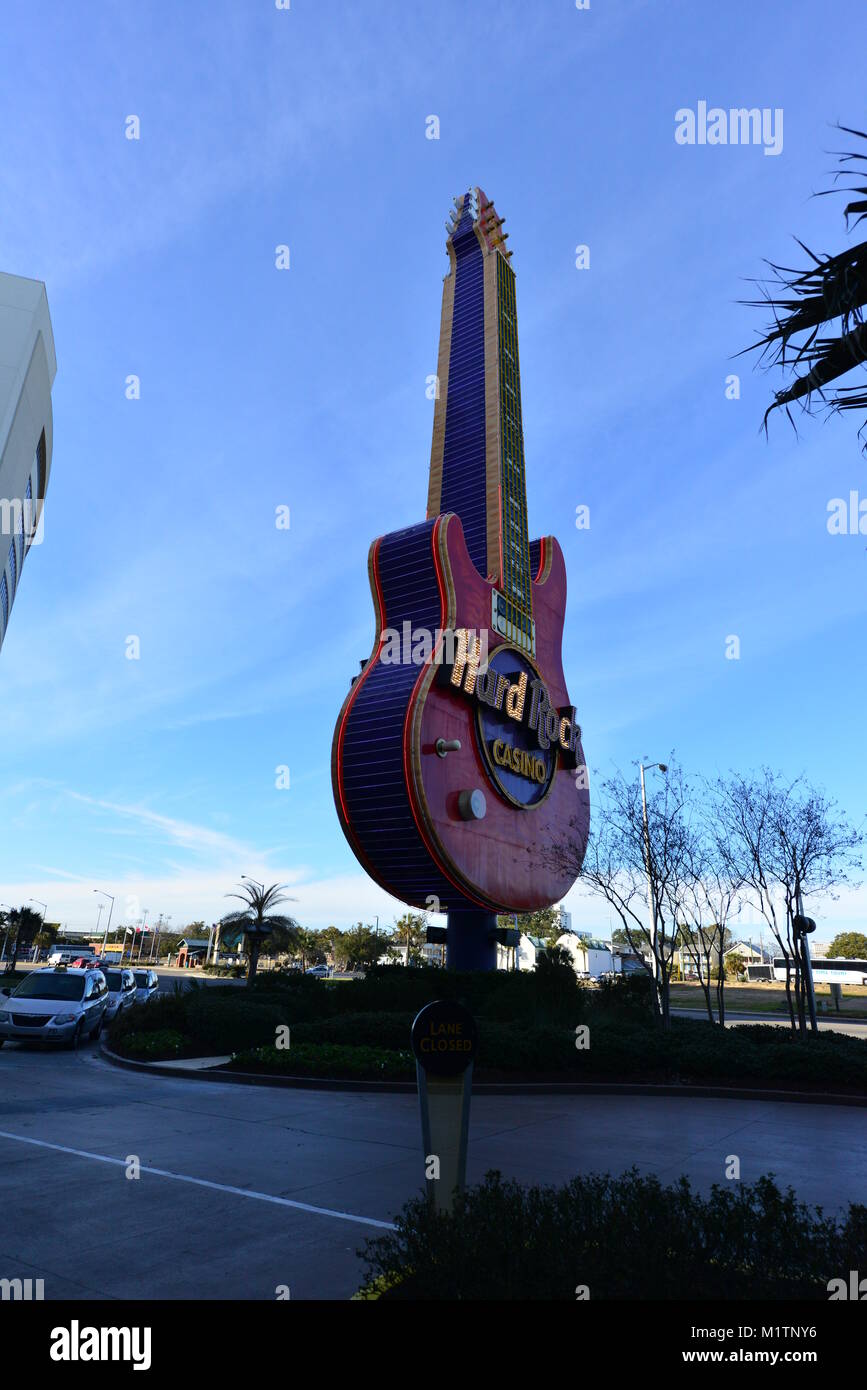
(829,972)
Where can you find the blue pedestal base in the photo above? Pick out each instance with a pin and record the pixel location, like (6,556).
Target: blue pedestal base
(470,943)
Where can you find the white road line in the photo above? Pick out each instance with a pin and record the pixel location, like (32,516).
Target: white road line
(203,1182)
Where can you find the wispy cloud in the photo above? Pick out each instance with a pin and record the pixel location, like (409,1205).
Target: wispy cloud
(199,839)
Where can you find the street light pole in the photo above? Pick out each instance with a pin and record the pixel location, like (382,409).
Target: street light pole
(651,896)
(108,923)
(159,934)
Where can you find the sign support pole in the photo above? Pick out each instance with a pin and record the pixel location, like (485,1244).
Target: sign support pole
(445,1042)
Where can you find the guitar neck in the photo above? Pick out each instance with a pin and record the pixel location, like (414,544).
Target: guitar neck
(477,455)
(514,572)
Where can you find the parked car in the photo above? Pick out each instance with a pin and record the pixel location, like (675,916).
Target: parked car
(59,1005)
(146,985)
(320,972)
(122,990)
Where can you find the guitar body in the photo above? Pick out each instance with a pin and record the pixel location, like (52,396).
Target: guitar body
(398,799)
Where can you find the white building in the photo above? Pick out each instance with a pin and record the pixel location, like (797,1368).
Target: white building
(27,371)
(528,952)
(590,958)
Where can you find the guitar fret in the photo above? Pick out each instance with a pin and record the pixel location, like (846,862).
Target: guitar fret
(516,544)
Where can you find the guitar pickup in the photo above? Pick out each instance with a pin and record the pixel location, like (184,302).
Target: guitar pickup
(512,622)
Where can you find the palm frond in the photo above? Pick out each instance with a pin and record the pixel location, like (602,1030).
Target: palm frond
(806,303)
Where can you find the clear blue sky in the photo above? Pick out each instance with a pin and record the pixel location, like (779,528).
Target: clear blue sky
(155,779)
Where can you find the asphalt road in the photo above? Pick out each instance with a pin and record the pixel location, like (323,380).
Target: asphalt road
(244,1189)
(856,1028)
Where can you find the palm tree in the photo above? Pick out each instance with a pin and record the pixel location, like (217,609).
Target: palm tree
(806,302)
(307,946)
(25,924)
(256,921)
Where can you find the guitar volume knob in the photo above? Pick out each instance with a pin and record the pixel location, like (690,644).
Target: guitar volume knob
(472,804)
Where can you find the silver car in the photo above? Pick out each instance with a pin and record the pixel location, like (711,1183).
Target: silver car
(55,1005)
(121,990)
(146,985)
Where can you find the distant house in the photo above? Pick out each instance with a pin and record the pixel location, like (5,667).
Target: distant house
(746,951)
(589,956)
(528,951)
(192,951)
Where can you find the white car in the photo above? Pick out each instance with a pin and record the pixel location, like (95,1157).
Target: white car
(146,985)
(56,1006)
(122,990)
(320,972)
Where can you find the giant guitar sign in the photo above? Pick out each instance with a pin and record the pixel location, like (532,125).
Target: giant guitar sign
(455,774)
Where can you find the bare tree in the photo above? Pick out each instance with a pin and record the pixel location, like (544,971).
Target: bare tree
(709,891)
(627,868)
(784,840)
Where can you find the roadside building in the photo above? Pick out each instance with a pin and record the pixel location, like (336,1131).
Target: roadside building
(192,951)
(27,371)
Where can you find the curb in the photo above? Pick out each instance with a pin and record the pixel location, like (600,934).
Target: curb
(487,1088)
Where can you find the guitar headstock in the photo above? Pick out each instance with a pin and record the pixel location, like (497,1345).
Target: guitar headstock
(473,210)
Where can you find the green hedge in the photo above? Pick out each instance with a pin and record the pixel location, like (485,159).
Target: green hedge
(227,1025)
(517,996)
(166,1011)
(622,1237)
(524,1028)
(387,1030)
(329,1060)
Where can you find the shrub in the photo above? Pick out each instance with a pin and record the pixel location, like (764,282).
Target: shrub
(623,1237)
(624,995)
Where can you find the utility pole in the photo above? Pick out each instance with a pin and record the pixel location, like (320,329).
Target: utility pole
(801,927)
(44,907)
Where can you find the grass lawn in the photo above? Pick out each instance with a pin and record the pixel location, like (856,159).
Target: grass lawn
(770,998)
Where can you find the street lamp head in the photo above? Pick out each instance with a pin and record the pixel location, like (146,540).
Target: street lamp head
(663,767)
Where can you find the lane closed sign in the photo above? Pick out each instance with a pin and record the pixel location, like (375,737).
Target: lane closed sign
(444,1037)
